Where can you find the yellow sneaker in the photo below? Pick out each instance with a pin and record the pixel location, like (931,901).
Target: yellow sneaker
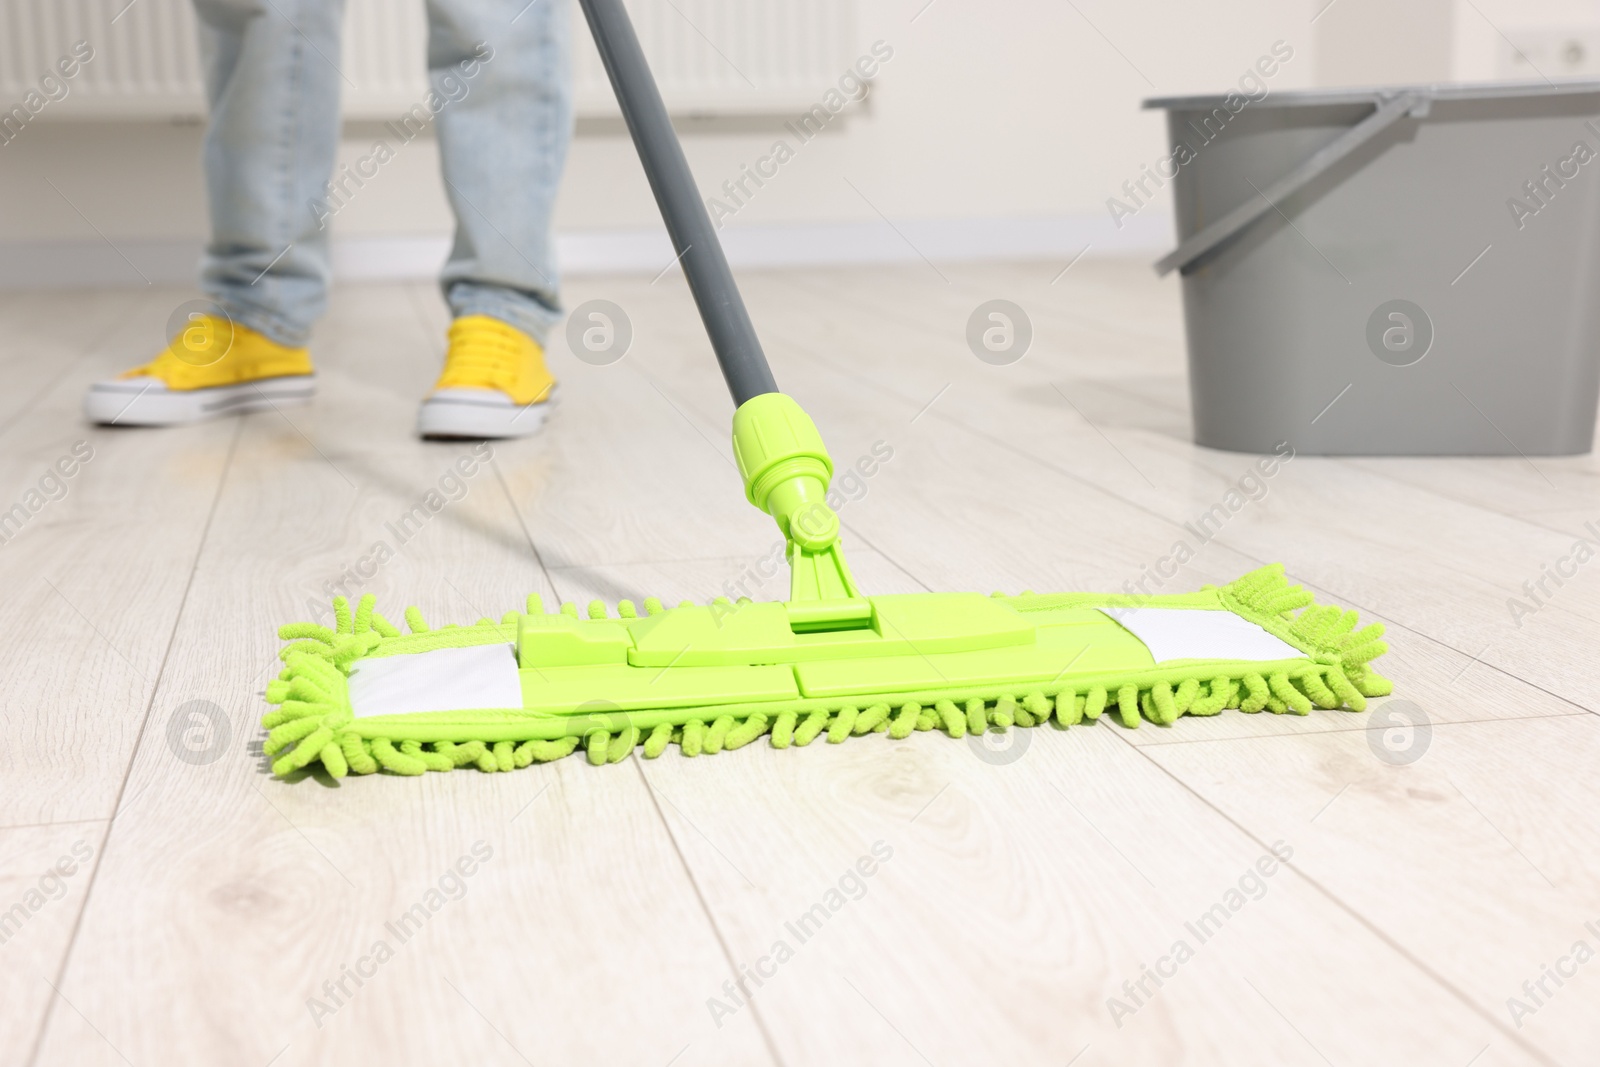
(494,383)
(213,367)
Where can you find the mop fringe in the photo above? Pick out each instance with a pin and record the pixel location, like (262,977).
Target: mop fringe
(313,722)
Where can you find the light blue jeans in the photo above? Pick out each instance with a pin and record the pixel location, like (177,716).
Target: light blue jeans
(501,107)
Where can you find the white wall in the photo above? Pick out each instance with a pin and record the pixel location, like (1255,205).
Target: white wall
(1006,123)
(1481,29)
(1365,42)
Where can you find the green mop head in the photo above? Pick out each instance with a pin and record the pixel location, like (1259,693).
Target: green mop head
(536,686)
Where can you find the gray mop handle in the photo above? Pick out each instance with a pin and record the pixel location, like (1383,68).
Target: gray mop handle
(739,353)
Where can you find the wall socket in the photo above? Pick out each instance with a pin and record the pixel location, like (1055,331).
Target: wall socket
(1552,52)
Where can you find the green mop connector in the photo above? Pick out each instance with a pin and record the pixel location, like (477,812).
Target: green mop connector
(786,471)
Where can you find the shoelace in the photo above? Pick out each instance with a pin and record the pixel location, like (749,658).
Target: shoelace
(480,349)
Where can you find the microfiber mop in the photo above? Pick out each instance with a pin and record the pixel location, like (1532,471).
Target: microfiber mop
(537,685)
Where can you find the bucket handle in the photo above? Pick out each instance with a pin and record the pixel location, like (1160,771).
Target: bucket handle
(1389,111)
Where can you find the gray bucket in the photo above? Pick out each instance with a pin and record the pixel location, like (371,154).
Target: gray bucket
(1402,271)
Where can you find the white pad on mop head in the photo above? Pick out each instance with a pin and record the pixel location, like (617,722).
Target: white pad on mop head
(1197,633)
(446,679)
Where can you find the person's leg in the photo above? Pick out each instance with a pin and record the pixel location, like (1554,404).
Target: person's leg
(502,96)
(272,77)
(503,71)
(269,149)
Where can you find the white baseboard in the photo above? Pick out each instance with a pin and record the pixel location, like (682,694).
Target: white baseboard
(96,264)
(821,244)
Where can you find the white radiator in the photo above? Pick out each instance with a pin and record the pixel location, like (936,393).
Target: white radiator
(712,57)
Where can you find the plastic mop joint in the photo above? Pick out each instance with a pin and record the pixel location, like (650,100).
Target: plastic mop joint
(536,685)
(786,473)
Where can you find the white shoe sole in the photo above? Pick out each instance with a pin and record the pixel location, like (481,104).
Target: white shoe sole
(480,414)
(148,402)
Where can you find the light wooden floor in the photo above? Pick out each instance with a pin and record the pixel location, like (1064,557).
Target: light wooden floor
(209,903)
